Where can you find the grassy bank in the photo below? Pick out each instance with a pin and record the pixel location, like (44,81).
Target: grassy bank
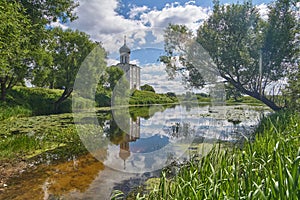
(146,97)
(23,101)
(268,168)
(244,100)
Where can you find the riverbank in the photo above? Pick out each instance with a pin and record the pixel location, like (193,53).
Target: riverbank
(26,102)
(266,168)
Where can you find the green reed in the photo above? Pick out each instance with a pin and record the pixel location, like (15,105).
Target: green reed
(268,168)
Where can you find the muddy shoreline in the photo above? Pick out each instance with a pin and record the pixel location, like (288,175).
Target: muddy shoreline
(79,178)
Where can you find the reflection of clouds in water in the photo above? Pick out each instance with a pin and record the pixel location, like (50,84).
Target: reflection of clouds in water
(157,142)
(141,162)
(215,125)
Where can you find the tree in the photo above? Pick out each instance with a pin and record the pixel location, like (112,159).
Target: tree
(109,79)
(107,82)
(24,38)
(114,74)
(14,44)
(176,37)
(235,36)
(147,87)
(293,91)
(42,13)
(232,92)
(69,50)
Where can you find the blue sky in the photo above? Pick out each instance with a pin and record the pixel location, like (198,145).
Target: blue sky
(126,5)
(143,22)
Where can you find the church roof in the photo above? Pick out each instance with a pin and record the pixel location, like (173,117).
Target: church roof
(124,48)
(124,154)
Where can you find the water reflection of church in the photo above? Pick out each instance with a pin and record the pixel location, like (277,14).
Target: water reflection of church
(131,136)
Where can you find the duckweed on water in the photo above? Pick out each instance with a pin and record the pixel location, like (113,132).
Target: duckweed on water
(31,136)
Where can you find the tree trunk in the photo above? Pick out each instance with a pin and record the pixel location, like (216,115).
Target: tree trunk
(3,92)
(256,95)
(270,103)
(67,92)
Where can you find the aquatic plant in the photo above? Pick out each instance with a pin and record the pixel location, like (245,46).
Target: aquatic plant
(268,168)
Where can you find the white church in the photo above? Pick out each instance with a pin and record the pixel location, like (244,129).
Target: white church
(132,71)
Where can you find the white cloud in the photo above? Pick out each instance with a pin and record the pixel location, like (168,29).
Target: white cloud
(100,20)
(59,24)
(263,11)
(135,11)
(188,14)
(156,76)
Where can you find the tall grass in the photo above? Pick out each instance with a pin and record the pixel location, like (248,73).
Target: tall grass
(268,168)
(7,111)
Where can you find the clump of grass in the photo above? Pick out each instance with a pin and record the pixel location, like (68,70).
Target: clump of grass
(17,145)
(13,111)
(244,100)
(268,168)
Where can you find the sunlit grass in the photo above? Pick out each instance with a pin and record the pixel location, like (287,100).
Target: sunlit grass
(13,111)
(268,168)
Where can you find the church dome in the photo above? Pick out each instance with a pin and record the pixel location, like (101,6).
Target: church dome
(124,49)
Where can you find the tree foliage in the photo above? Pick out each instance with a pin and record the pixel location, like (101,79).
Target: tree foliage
(236,37)
(177,63)
(14,45)
(69,51)
(24,38)
(147,87)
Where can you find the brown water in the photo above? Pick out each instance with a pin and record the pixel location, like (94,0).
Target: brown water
(154,140)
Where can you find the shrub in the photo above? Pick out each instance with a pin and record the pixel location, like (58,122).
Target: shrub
(147,87)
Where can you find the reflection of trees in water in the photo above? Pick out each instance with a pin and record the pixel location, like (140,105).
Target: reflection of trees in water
(113,132)
(180,129)
(111,128)
(147,112)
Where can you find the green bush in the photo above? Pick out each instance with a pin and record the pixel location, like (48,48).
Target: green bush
(102,100)
(146,97)
(147,87)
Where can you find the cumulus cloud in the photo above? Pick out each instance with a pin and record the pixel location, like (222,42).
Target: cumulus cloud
(156,76)
(263,11)
(103,23)
(189,14)
(180,14)
(100,20)
(136,11)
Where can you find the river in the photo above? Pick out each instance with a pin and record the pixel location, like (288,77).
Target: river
(132,147)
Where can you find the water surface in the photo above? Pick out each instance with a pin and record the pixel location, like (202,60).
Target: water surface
(145,140)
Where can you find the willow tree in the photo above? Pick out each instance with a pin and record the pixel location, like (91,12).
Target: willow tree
(252,54)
